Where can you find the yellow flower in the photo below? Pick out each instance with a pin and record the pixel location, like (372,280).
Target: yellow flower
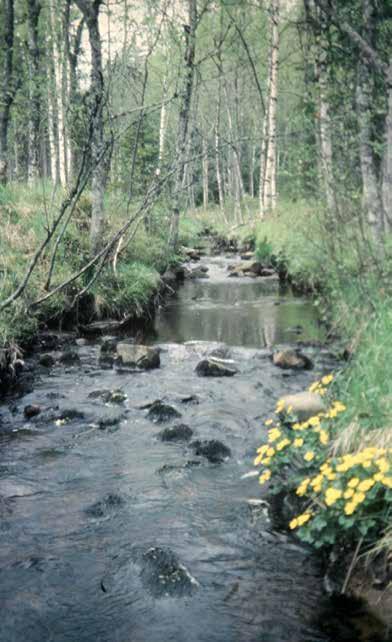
(263,449)
(359,498)
(270,452)
(274,434)
(258,460)
(353,483)
(314,421)
(365,485)
(327,380)
(302,488)
(324,438)
(265,477)
(309,456)
(383,465)
(302,519)
(297,443)
(378,477)
(314,386)
(282,444)
(294,523)
(348,494)
(387,481)
(332,495)
(269,422)
(350,508)
(267,461)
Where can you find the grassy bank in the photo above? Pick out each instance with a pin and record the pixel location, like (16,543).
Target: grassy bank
(352,439)
(124,289)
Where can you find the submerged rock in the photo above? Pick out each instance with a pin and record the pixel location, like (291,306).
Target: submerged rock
(215,451)
(31,410)
(178,432)
(163,575)
(69,357)
(293,359)
(303,405)
(109,396)
(160,412)
(46,360)
(214,367)
(138,356)
(106,505)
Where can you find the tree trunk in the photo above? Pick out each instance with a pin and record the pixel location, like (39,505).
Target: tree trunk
(72,51)
(270,195)
(325,130)
(183,120)
(372,200)
(7,90)
(387,157)
(205,169)
(99,170)
(33,13)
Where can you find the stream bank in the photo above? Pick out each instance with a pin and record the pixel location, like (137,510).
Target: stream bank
(119,526)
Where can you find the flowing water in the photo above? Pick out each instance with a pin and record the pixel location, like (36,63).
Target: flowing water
(88,492)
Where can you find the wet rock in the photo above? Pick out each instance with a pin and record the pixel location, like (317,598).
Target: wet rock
(32,410)
(52,341)
(292,359)
(214,367)
(81,342)
(198,273)
(246,268)
(105,506)
(169,277)
(178,432)
(109,419)
(163,575)
(177,468)
(303,404)
(69,358)
(46,360)
(108,345)
(191,253)
(53,415)
(160,412)
(109,396)
(192,400)
(215,451)
(138,356)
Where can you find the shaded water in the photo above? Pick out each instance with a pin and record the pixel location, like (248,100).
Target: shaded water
(241,311)
(78,502)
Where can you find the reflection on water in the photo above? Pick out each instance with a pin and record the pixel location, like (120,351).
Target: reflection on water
(243,312)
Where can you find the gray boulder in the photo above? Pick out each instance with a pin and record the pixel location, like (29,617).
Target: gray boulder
(214,367)
(291,359)
(138,356)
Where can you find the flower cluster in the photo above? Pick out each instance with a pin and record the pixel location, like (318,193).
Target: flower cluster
(352,492)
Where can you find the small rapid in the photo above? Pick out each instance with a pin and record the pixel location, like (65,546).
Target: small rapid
(110,534)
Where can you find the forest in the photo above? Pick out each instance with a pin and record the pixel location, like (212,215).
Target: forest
(138,142)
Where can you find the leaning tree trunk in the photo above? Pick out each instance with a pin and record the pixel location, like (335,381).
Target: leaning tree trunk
(183,120)
(90,11)
(7,89)
(372,200)
(33,13)
(270,193)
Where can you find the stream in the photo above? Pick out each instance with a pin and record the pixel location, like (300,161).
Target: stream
(109,534)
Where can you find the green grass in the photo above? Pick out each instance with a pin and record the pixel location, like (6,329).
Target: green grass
(26,212)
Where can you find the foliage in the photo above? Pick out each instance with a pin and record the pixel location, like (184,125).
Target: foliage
(345,497)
